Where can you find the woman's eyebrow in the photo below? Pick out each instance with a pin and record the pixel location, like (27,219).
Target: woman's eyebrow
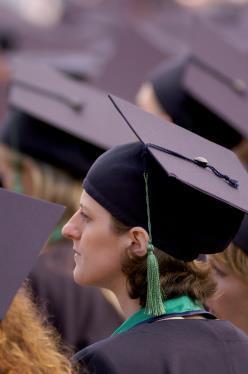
(83,207)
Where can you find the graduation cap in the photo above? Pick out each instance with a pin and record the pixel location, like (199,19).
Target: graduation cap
(188,193)
(135,51)
(197,174)
(55,119)
(171,87)
(24,228)
(217,72)
(77,31)
(241,239)
(84,63)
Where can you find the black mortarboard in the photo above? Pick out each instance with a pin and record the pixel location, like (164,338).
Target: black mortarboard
(217,73)
(187,111)
(197,189)
(8,40)
(55,119)
(241,239)
(24,228)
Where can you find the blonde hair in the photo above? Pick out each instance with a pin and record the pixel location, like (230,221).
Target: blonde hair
(234,258)
(26,344)
(47,182)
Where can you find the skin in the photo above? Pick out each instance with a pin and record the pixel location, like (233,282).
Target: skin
(241,151)
(5,72)
(99,250)
(147,100)
(230,301)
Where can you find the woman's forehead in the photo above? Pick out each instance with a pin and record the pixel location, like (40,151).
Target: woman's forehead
(91,205)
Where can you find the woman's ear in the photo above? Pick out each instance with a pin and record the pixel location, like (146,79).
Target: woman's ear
(139,240)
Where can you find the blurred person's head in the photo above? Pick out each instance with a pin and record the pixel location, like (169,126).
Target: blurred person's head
(27,343)
(205,90)
(53,132)
(36,159)
(25,173)
(165,96)
(230,271)
(43,161)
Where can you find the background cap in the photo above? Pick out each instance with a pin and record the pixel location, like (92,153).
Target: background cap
(58,120)
(186,110)
(25,225)
(217,74)
(135,51)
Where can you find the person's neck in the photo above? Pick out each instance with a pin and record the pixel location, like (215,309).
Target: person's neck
(129,306)
(242,324)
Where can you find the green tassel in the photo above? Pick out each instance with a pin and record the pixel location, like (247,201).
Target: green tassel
(154,300)
(17,187)
(56,235)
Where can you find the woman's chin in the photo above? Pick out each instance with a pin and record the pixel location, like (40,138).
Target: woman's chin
(78,277)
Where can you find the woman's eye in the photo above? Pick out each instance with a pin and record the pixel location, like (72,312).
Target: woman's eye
(84,216)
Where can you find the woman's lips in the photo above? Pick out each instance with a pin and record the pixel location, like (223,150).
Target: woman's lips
(76,253)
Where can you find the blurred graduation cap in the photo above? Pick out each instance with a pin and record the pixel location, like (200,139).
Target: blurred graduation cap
(58,120)
(24,228)
(241,239)
(77,30)
(81,64)
(120,53)
(135,52)
(186,107)
(197,189)
(217,72)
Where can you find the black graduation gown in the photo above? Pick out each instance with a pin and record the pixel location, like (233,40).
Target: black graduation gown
(182,346)
(82,315)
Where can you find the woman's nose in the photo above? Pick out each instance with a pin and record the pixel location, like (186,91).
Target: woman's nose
(71,231)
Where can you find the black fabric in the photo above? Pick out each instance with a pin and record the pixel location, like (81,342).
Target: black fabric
(49,144)
(185,221)
(170,347)
(187,111)
(8,40)
(241,239)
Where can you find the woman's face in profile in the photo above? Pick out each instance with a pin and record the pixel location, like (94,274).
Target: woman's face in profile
(98,249)
(230,302)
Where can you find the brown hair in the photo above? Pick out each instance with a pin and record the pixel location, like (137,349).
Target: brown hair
(177,277)
(241,151)
(26,344)
(234,258)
